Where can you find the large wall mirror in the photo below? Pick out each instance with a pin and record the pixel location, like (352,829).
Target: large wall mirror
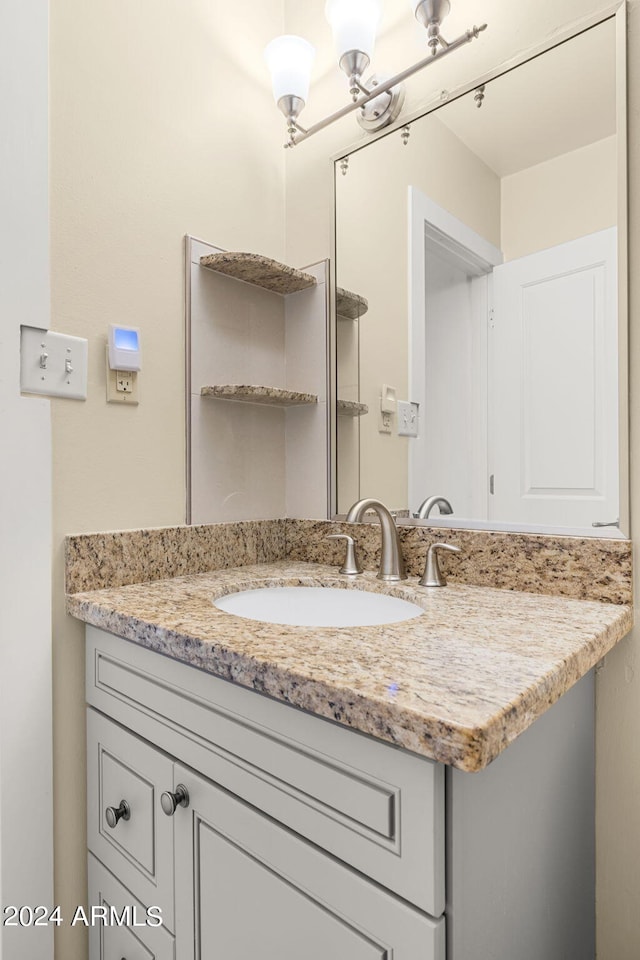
(481,334)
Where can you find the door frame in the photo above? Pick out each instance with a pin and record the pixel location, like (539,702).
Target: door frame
(26,796)
(431,227)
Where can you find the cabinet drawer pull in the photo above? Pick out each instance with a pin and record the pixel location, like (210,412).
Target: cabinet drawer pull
(114,814)
(171,801)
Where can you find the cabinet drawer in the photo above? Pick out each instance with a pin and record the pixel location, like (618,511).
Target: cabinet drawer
(126,931)
(247,888)
(127,775)
(377,808)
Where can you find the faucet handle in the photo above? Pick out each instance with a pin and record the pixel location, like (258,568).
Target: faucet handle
(350,567)
(433,576)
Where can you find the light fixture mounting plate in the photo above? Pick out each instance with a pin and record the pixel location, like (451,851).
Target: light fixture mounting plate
(382,110)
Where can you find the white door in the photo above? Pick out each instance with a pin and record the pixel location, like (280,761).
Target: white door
(553,405)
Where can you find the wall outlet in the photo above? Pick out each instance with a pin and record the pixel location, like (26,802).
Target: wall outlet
(408,418)
(384,422)
(122,386)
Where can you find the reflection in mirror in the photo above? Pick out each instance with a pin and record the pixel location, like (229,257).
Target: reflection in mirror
(479,360)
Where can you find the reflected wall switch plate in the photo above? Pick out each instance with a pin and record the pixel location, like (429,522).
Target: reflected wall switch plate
(408,418)
(53,364)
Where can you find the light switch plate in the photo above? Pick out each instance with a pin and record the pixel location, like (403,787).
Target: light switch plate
(408,418)
(53,364)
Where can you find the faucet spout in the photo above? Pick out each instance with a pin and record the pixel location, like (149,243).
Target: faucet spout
(427,506)
(391,560)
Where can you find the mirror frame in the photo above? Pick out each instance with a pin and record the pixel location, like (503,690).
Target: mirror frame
(618,12)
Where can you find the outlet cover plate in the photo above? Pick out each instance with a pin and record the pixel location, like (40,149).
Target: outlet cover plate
(122,386)
(384,421)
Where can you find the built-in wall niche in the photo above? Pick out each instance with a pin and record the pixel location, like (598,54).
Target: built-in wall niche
(256,362)
(351,307)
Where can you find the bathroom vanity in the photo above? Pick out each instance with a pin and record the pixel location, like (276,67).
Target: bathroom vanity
(297,833)
(287,791)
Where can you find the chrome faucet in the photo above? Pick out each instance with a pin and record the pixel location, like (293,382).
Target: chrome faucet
(427,506)
(391,561)
(351,566)
(433,576)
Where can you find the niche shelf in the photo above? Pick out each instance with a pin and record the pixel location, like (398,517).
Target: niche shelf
(351,408)
(260,271)
(267,396)
(350,306)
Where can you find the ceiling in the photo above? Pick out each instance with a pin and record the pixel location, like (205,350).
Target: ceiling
(549,106)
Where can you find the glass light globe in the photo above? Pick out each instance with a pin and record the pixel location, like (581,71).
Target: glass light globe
(354,24)
(289,59)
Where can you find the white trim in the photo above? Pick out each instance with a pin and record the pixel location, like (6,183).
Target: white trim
(624,440)
(194,249)
(446,233)
(26,800)
(431,227)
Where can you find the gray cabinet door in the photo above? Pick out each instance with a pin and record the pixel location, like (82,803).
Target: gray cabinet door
(138,849)
(122,932)
(246,887)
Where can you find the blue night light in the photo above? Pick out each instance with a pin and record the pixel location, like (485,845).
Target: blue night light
(124,348)
(126,339)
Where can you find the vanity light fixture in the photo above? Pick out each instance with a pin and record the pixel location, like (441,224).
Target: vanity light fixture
(354,24)
(378,101)
(431,13)
(289,60)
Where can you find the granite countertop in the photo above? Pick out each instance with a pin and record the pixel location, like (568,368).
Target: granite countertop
(457,684)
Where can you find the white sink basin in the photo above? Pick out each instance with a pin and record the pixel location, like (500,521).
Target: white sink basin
(318,606)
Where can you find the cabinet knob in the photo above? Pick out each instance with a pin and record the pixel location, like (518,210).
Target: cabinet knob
(115,814)
(171,801)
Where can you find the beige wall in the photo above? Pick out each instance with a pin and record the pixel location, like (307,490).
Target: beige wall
(515,28)
(146,145)
(579,194)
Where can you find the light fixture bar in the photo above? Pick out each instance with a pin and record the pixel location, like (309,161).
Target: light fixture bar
(466,37)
